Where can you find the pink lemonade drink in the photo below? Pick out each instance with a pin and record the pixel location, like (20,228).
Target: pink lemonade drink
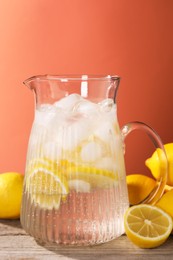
(75,184)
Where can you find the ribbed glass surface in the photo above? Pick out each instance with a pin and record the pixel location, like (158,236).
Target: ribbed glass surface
(75,190)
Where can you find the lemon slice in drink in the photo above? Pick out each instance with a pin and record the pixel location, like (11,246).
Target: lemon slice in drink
(47,185)
(147,226)
(36,162)
(39,162)
(94,176)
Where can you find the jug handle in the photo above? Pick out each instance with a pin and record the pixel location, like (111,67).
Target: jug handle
(156,194)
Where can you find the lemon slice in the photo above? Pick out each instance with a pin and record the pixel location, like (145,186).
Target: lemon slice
(46,186)
(39,162)
(147,226)
(95,177)
(46,161)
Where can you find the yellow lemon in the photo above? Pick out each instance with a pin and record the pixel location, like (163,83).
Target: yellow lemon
(166,202)
(139,187)
(147,226)
(11,184)
(46,186)
(154,165)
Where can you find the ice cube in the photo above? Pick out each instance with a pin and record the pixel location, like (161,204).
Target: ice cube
(88,109)
(106,163)
(76,133)
(72,133)
(52,150)
(79,185)
(106,105)
(67,131)
(105,131)
(46,108)
(68,102)
(85,106)
(44,114)
(55,126)
(91,152)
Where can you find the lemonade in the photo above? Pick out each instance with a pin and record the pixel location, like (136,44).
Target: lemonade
(75,185)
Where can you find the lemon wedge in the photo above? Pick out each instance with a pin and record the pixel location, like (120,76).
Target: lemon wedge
(147,226)
(46,185)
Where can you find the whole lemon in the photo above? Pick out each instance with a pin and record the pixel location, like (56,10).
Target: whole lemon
(11,184)
(154,165)
(139,187)
(166,203)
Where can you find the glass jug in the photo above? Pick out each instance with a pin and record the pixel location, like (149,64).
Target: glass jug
(75,188)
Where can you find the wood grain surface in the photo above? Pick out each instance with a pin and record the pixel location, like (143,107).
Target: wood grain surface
(15,244)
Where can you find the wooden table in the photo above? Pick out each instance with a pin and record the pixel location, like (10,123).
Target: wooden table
(15,244)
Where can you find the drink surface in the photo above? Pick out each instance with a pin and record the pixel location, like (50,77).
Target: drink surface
(75,190)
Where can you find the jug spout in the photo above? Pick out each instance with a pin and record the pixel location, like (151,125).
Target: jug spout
(32,81)
(50,88)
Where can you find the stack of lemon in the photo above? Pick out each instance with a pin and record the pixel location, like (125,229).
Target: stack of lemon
(149,226)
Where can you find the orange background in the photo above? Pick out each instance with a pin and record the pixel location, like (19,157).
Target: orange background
(131,38)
